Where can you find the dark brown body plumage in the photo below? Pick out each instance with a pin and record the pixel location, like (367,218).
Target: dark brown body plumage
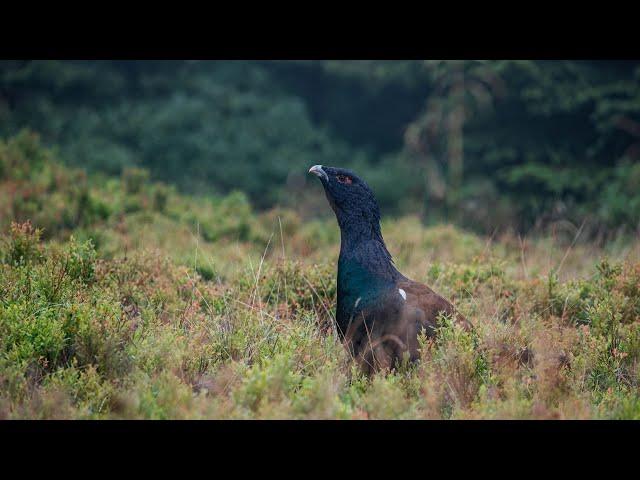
(382,335)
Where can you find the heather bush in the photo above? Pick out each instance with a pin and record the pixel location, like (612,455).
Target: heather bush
(198,307)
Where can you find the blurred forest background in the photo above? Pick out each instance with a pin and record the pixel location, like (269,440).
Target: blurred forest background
(484,144)
(165,254)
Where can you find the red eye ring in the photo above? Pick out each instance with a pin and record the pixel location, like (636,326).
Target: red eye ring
(344,179)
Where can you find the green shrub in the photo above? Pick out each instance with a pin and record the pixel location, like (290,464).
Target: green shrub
(23,245)
(160,198)
(106,314)
(134,179)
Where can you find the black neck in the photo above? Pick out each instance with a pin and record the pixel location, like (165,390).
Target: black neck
(354,233)
(362,241)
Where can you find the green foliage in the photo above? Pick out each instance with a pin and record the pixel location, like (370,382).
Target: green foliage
(201,125)
(311,288)
(233,216)
(22,245)
(133,179)
(466,279)
(84,337)
(37,188)
(486,144)
(203,308)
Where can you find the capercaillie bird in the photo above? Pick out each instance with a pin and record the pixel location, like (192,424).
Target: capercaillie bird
(379,312)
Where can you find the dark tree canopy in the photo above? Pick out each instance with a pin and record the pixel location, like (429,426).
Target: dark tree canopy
(486,144)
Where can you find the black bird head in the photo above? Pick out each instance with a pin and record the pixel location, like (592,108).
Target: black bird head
(352,201)
(362,248)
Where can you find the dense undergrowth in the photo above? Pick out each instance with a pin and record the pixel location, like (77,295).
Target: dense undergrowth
(120,298)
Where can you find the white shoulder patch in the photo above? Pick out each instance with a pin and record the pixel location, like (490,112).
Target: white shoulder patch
(402,293)
(357,302)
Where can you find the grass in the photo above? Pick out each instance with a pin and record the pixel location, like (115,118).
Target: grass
(120,298)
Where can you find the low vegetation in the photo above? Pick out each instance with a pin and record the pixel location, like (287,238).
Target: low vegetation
(120,298)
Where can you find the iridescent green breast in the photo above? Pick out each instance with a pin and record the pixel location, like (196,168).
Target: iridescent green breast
(358,289)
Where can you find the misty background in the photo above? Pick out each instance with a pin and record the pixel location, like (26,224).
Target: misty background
(486,145)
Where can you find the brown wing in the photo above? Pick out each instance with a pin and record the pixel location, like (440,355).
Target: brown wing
(425,305)
(380,336)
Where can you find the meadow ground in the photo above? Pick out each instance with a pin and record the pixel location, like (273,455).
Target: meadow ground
(120,298)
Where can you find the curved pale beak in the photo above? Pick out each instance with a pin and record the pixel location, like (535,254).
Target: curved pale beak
(319,172)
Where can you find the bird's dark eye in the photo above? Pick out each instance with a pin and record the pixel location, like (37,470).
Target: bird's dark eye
(344,179)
